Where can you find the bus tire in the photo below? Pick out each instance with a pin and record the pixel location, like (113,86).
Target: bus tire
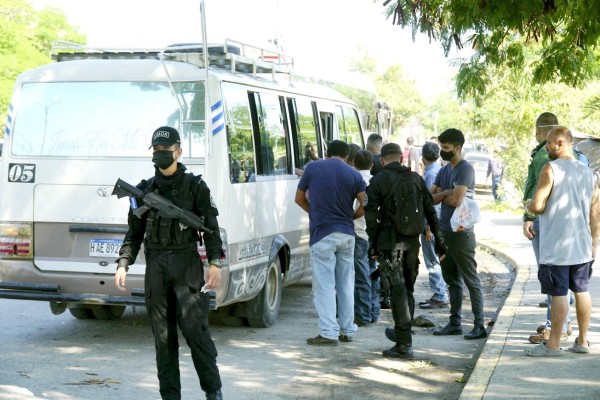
(81,312)
(264,308)
(108,313)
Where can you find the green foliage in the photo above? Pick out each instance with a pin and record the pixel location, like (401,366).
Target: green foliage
(26,37)
(400,94)
(561,35)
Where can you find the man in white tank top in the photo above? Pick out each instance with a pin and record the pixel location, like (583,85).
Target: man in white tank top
(566,199)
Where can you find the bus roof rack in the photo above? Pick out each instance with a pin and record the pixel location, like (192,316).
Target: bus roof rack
(232,55)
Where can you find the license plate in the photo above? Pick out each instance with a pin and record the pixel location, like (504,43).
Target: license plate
(105,247)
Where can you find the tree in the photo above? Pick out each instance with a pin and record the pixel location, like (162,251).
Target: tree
(401,95)
(562,36)
(26,38)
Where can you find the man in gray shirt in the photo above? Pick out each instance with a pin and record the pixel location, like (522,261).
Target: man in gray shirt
(451,185)
(566,200)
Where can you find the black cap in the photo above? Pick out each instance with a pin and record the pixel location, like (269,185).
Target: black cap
(390,148)
(165,136)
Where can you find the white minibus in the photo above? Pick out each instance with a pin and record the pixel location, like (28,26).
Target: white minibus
(78,124)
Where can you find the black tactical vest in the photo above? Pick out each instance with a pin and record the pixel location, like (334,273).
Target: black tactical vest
(170,233)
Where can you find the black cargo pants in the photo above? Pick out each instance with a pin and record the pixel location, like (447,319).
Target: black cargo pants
(172,285)
(402,284)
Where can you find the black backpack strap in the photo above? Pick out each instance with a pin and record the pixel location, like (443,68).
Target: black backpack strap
(394,187)
(191,183)
(390,195)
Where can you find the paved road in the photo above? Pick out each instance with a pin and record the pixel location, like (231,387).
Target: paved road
(59,357)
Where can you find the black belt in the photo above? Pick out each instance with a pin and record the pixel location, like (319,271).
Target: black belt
(192,247)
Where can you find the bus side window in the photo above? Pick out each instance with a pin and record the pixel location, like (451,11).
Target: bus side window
(304,131)
(326,127)
(349,125)
(270,134)
(239,134)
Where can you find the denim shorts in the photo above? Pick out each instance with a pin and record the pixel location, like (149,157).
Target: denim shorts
(556,280)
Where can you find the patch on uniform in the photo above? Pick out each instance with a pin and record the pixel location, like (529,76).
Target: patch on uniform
(366,200)
(212,202)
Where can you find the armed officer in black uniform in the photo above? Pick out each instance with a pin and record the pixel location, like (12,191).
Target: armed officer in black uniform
(174,272)
(397,253)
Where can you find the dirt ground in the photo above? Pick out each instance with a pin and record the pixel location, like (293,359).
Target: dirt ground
(276,363)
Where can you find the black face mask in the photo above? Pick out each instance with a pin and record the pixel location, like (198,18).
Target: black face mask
(163,159)
(446,155)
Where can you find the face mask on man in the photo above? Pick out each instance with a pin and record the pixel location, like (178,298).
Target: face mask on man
(446,155)
(163,159)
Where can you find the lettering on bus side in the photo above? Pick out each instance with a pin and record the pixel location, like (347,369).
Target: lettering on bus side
(21,173)
(252,249)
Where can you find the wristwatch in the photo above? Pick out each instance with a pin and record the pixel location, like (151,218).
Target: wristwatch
(217,263)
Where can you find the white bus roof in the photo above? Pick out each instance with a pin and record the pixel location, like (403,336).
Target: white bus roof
(122,70)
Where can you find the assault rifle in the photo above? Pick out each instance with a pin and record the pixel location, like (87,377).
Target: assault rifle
(163,206)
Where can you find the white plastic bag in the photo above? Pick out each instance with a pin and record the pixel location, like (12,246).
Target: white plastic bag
(465,216)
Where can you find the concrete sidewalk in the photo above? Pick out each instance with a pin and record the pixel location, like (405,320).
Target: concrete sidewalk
(503,371)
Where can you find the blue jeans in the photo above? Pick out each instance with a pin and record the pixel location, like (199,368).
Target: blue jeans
(362,281)
(375,292)
(535,243)
(333,277)
(432,263)
(495,185)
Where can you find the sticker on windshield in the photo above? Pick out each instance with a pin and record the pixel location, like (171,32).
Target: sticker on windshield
(21,173)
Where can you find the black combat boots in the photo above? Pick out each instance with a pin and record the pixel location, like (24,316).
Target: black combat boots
(214,396)
(403,351)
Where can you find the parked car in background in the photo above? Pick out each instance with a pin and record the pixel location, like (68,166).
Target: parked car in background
(480,161)
(473,146)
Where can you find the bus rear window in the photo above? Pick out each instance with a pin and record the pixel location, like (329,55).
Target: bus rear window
(104,119)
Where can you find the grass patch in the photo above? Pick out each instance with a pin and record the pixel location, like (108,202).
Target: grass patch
(502,207)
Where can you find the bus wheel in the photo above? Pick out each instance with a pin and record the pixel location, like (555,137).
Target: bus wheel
(108,312)
(81,312)
(264,308)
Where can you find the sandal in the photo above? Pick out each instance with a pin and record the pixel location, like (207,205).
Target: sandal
(577,348)
(542,351)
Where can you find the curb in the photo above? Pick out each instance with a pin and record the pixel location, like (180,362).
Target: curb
(477,384)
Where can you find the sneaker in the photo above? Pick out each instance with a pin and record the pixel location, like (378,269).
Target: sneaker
(577,348)
(345,338)
(433,304)
(542,351)
(478,332)
(426,301)
(361,323)
(403,351)
(321,341)
(544,335)
(449,330)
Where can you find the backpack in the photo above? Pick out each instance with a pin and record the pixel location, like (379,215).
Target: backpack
(406,200)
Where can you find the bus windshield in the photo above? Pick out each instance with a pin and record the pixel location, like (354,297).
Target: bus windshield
(105,119)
